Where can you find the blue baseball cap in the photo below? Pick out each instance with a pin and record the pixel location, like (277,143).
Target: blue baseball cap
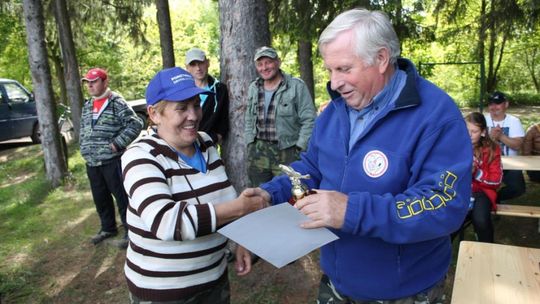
(172,84)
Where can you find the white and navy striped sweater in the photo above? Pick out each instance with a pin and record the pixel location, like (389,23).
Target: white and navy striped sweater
(174,251)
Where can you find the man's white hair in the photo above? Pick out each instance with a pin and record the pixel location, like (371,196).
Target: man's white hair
(372,31)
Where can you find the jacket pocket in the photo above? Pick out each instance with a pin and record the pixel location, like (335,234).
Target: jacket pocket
(286,108)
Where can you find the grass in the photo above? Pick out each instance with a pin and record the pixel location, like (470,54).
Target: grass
(37,222)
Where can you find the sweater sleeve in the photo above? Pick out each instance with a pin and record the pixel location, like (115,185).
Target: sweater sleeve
(306,115)
(150,199)
(132,124)
(250,117)
(528,141)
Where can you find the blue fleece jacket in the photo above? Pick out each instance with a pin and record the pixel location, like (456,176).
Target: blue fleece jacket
(408,181)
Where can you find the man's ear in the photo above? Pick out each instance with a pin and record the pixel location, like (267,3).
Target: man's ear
(383,59)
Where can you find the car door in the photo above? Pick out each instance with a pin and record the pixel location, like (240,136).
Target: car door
(5,126)
(22,114)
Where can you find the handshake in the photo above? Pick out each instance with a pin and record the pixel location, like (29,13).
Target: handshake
(250,200)
(253,199)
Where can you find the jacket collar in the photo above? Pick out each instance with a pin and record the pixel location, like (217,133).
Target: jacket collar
(409,95)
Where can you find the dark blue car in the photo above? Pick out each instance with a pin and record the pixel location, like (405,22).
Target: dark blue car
(18,115)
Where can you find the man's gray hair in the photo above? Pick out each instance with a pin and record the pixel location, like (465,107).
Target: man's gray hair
(372,31)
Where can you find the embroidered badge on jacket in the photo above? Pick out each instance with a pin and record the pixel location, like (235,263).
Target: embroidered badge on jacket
(375,163)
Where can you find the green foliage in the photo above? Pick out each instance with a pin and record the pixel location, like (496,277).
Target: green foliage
(525,99)
(519,73)
(194,24)
(460,24)
(13,51)
(122,36)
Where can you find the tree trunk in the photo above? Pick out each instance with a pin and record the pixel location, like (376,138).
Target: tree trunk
(531,66)
(55,165)
(490,81)
(304,53)
(58,70)
(244,28)
(481,55)
(306,65)
(165,33)
(71,66)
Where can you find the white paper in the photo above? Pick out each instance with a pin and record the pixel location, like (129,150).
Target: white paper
(275,235)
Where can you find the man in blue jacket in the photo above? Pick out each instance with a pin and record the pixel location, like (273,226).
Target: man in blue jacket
(390,161)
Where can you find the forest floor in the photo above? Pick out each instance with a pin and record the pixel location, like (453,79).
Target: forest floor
(62,266)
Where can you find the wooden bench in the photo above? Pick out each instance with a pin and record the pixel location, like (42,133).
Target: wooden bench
(496,273)
(507,210)
(518,210)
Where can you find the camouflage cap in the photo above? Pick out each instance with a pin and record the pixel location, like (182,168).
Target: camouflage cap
(265,52)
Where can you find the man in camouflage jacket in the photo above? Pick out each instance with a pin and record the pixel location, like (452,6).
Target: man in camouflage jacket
(108,126)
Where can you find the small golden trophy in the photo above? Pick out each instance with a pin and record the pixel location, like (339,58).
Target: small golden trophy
(299,189)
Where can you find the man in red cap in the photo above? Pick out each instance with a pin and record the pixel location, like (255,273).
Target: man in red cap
(108,126)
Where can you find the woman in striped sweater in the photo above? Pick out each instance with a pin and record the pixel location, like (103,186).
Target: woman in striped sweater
(179,194)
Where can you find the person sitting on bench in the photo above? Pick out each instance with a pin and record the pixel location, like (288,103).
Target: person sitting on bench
(487,176)
(531,146)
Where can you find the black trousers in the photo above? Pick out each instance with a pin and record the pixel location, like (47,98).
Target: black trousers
(481,218)
(514,185)
(534,176)
(106,182)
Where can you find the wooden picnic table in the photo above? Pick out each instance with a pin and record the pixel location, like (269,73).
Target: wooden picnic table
(495,273)
(520,162)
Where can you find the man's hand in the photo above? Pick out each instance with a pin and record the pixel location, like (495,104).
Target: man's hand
(495,133)
(249,192)
(324,208)
(243,261)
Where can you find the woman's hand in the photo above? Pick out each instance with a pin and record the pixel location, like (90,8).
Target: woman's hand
(250,200)
(243,261)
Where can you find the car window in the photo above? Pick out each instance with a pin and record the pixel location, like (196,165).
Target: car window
(15,93)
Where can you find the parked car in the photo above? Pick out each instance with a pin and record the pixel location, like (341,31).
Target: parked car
(18,115)
(139,106)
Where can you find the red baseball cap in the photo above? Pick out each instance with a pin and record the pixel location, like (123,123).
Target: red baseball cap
(94,74)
